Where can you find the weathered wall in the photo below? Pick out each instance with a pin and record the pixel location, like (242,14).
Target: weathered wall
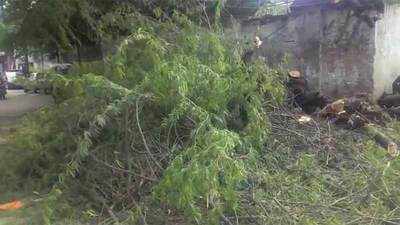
(387,57)
(346,53)
(333,48)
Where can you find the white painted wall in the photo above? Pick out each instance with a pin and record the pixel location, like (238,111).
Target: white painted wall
(387,55)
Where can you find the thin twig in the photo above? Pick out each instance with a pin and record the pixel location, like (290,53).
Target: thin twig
(143,138)
(121,170)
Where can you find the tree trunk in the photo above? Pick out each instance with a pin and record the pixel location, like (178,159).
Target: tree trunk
(42,60)
(79,54)
(26,62)
(58,56)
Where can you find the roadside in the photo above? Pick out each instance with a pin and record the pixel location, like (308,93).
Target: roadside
(11,110)
(17,105)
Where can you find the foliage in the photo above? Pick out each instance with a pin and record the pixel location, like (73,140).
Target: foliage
(5,37)
(67,26)
(179,94)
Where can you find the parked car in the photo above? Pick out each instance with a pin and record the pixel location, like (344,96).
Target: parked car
(12,76)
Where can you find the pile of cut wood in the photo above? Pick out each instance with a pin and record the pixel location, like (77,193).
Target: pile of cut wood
(391,103)
(357,112)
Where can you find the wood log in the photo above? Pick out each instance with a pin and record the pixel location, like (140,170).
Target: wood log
(381,139)
(332,109)
(389,101)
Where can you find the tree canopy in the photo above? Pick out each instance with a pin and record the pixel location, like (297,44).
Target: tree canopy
(66,24)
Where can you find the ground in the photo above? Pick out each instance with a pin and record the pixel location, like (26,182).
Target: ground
(17,105)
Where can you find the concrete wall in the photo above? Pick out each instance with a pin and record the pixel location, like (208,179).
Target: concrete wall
(346,53)
(334,48)
(387,57)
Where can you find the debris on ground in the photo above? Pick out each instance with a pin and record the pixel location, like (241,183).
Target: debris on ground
(394,112)
(304,119)
(333,110)
(357,112)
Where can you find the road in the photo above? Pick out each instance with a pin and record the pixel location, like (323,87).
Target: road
(19,103)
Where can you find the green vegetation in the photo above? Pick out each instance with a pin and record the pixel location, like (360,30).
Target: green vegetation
(173,128)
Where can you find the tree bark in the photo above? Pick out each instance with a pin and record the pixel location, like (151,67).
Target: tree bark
(58,56)
(26,62)
(79,53)
(42,60)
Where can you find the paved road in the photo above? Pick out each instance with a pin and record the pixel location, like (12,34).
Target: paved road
(18,104)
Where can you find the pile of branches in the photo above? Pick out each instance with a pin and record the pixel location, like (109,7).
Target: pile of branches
(173,121)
